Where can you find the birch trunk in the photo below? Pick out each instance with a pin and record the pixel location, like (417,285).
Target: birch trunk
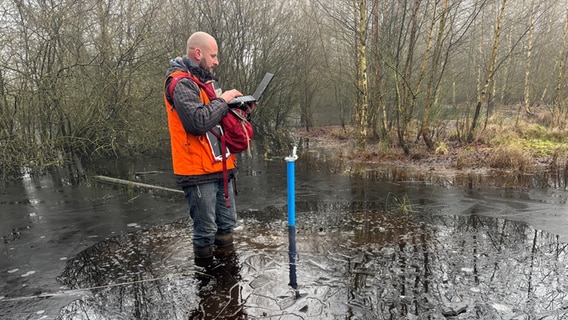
(527,92)
(482,95)
(380,114)
(362,100)
(430,89)
(560,82)
(405,96)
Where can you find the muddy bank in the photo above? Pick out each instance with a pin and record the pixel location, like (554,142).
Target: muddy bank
(464,166)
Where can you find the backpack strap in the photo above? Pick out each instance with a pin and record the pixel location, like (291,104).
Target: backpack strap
(175,78)
(225,171)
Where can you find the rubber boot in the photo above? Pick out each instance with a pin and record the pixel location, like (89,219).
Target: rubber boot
(223,240)
(203,256)
(223,245)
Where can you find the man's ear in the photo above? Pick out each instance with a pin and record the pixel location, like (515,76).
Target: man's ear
(197,53)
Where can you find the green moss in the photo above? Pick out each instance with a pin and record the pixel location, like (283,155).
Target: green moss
(538,147)
(536,139)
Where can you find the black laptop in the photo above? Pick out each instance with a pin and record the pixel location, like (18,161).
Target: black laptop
(256,95)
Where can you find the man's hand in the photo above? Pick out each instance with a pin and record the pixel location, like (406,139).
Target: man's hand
(230,95)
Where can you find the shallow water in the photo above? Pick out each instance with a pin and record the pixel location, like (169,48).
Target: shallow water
(382,245)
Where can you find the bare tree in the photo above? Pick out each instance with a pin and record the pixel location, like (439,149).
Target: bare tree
(529,53)
(406,95)
(434,65)
(377,108)
(361,79)
(490,68)
(559,101)
(448,29)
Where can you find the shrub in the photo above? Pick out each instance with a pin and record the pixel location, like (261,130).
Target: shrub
(442,148)
(511,157)
(340,133)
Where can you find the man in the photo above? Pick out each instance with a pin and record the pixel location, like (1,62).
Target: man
(193,111)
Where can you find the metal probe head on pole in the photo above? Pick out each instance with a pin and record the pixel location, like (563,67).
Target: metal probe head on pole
(292,157)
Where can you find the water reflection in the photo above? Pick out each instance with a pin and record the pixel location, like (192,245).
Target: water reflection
(148,275)
(357,264)
(220,289)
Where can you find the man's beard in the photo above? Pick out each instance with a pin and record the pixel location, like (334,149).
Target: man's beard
(200,71)
(204,67)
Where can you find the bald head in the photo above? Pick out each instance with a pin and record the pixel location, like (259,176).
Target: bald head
(202,50)
(199,39)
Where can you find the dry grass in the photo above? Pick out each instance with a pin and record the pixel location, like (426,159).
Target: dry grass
(340,133)
(503,144)
(511,157)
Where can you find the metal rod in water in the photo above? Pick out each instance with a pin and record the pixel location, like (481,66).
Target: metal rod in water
(292,255)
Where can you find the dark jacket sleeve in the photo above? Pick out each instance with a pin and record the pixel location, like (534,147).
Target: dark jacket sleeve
(197,118)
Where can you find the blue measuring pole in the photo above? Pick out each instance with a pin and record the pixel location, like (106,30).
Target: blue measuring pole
(292,220)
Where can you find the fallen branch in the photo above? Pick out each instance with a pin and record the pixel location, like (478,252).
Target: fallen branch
(135,184)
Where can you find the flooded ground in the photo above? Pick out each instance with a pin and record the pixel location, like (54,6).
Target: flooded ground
(385,244)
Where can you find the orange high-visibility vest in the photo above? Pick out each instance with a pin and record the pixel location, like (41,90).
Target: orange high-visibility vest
(191,155)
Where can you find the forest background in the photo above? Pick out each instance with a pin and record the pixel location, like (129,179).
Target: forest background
(84,78)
